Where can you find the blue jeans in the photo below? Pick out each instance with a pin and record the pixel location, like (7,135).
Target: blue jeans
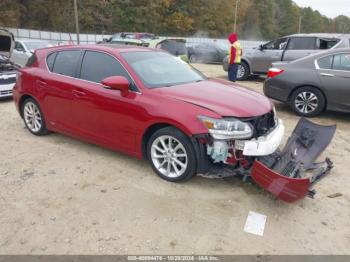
(232,72)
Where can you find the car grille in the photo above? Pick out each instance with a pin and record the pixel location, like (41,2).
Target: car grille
(5,93)
(262,124)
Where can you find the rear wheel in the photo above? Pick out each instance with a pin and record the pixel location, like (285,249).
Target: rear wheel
(307,101)
(243,71)
(33,117)
(171,155)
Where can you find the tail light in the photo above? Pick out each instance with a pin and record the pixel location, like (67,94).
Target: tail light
(274,72)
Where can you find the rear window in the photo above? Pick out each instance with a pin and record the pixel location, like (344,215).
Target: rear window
(50,60)
(302,43)
(324,43)
(66,62)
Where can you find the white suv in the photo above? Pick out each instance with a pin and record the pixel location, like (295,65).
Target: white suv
(8,69)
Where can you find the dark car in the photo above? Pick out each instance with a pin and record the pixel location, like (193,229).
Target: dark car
(313,84)
(208,52)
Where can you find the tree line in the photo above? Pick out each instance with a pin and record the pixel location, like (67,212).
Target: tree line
(256,19)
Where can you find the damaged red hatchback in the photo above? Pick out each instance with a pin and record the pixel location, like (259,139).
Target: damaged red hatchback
(150,104)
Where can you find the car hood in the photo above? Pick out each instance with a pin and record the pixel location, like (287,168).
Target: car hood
(7,42)
(221,97)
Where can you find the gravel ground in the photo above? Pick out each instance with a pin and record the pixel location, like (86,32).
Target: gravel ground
(63,196)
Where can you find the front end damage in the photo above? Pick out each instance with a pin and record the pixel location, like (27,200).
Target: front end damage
(289,174)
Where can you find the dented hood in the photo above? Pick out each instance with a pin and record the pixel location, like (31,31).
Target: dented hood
(7,42)
(220,97)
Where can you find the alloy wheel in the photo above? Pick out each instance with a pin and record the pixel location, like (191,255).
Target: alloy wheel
(169,156)
(32,117)
(240,71)
(306,102)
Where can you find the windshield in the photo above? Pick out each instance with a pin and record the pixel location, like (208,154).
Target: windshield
(35,45)
(158,69)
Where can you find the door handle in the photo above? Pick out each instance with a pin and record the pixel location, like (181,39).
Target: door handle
(325,74)
(78,93)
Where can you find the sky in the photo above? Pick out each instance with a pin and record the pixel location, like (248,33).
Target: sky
(330,8)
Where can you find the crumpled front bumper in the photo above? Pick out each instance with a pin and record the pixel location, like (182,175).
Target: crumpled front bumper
(290,174)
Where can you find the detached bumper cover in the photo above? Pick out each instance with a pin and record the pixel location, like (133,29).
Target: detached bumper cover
(290,174)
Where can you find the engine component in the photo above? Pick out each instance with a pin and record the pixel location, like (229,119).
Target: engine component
(218,151)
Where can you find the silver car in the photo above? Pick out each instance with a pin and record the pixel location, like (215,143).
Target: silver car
(288,48)
(25,48)
(312,84)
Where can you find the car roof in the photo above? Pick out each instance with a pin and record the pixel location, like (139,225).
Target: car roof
(321,35)
(115,48)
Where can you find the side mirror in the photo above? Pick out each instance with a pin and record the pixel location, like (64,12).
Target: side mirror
(261,47)
(117,83)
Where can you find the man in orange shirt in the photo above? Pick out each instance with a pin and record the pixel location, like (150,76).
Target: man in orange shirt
(235,55)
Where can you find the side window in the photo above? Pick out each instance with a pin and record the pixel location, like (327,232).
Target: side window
(342,62)
(325,62)
(19,47)
(279,44)
(302,43)
(323,43)
(97,66)
(66,62)
(50,60)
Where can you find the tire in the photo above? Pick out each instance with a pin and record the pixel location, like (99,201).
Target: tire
(243,72)
(33,117)
(307,101)
(161,158)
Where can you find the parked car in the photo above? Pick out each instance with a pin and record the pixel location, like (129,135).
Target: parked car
(175,46)
(26,47)
(211,52)
(288,48)
(8,69)
(312,84)
(149,104)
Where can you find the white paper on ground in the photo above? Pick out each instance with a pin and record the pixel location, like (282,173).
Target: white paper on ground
(255,223)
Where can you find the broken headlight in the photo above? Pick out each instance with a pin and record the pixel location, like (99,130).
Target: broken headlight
(227,128)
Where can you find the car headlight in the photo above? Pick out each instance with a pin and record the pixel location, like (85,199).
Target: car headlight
(227,128)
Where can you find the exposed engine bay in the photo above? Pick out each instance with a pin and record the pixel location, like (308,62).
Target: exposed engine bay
(6,65)
(289,174)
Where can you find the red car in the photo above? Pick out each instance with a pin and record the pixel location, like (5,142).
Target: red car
(150,104)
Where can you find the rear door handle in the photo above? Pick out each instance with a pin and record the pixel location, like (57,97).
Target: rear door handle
(325,74)
(78,93)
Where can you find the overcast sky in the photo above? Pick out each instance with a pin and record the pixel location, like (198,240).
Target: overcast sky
(330,8)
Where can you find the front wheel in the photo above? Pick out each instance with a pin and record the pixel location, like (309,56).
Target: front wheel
(307,101)
(171,155)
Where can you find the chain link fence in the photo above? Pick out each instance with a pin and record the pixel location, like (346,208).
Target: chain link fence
(94,38)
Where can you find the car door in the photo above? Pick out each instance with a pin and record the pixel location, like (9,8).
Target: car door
(267,54)
(57,89)
(299,47)
(334,72)
(102,114)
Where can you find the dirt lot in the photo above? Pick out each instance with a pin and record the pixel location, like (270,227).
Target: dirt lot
(62,196)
